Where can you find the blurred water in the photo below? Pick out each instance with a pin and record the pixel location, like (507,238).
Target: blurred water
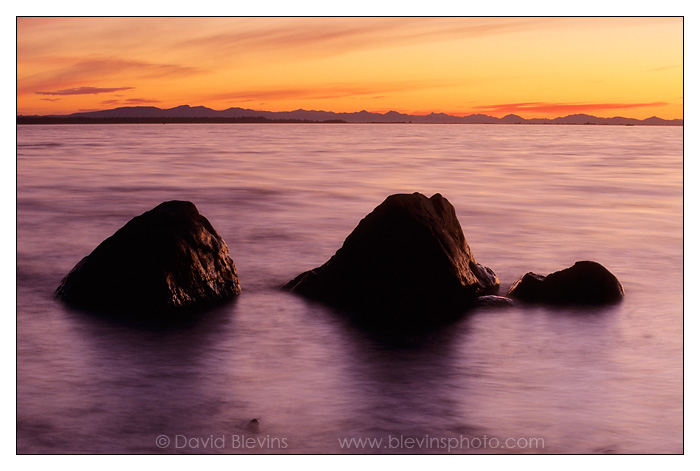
(284,197)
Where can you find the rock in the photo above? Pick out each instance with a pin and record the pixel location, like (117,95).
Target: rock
(584,283)
(253,426)
(407,259)
(168,259)
(492,301)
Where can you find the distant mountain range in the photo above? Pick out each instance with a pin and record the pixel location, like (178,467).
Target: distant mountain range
(194,114)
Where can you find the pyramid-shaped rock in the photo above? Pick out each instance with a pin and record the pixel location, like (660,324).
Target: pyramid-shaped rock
(167,259)
(407,259)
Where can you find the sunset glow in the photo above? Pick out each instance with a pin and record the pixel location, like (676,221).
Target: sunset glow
(532,67)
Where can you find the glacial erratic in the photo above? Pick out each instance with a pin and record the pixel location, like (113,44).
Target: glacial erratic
(585,282)
(167,259)
(406,260)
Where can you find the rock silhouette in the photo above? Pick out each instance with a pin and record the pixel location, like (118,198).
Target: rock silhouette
(168,259)
(407,260)
(585,282)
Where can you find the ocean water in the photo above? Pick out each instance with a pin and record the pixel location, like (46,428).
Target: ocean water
(520,380)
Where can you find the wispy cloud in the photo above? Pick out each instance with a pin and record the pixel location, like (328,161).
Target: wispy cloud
(330,91)
(144,69)
(140,100)
(294,93)
(84,91)
(320,37)
(129,101)
(545,107)
(67,71)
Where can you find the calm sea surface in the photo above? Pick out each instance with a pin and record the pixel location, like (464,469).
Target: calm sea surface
(284,197)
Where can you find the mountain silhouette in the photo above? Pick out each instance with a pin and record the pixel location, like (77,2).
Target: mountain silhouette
(186,113)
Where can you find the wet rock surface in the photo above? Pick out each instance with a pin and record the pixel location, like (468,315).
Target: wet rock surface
(585,282)
(406,260)
(167,259)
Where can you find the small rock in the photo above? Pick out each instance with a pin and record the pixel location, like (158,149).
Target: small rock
(253,426)
(492,301)
(585,282)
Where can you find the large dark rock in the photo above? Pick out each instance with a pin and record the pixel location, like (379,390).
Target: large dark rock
(407,259)
(584,283)
(168,259)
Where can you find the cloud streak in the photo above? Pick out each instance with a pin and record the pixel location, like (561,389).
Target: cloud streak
(84,91)
(331,91)
(128,101)
(324,37)
(545,107)
(136,68)
(65,72)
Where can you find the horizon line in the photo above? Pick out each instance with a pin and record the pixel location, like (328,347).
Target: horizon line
(417,114)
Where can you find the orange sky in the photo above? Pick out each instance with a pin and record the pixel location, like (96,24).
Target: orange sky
(533,67)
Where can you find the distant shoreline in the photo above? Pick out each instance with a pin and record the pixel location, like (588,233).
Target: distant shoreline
(202,114)
(34,120)
(163,120)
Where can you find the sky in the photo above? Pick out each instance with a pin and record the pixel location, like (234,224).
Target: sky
(530,66)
